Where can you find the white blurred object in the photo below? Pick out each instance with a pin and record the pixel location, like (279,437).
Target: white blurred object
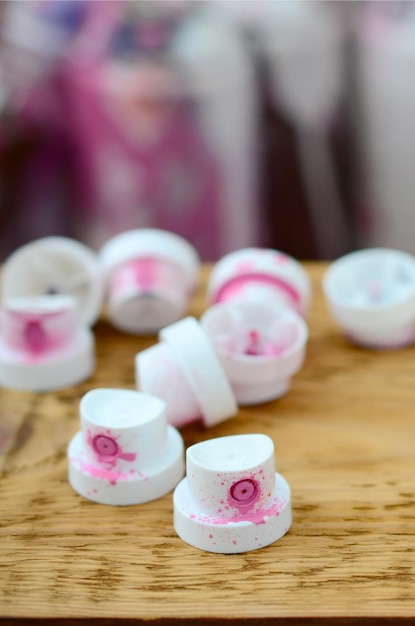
(219,76)
(371,294)
(386,88)
(303,43)
(32,42)
(43,347)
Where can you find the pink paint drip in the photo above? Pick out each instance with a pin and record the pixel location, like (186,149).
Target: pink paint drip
(146,273)
(35,336)
(256,517)
(104,474)
(254,344)
(30,333)
(143,273)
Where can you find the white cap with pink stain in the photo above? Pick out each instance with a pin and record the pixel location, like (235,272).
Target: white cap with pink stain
(185,372)
(125,452)
(371,294)
(231,499)
(260,345)
(42,345)
(150,274)
(260,275)
(56,266)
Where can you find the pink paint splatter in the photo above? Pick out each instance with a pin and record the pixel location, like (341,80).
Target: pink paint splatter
(243,281)
(35,336)
(142,273)
(281,259)
(244,266)
(146,272)
(104,474)
(256,517)
(374,290)
(256,346)
(107,449)
(30,333)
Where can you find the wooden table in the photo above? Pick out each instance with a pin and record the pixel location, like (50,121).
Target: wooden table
(345,441)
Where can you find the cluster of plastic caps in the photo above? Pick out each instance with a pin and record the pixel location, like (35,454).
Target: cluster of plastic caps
(244,350)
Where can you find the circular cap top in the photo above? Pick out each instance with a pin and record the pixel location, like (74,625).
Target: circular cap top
(56,265)
(371,279)
(231,453)
(120,408)
(151,242)
(262,264)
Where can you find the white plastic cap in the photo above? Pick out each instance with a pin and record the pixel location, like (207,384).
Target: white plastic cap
(261,275)
(56,265)
(150,274)
(41,346)
(261,346)
(231,499)
(371,293)
(125,452)
(185,372)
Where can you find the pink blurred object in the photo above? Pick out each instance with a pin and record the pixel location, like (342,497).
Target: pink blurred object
(156,105)
(142,159)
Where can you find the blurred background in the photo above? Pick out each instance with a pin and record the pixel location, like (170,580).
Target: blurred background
(234,123)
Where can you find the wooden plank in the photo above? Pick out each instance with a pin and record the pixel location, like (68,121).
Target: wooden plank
(344,438)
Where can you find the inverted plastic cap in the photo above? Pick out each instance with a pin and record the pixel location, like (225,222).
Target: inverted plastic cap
(56,265)
(152,243)
(260,345)
(371,293)
(183,369)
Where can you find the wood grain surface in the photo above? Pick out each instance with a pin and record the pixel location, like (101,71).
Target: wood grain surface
(345,440)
